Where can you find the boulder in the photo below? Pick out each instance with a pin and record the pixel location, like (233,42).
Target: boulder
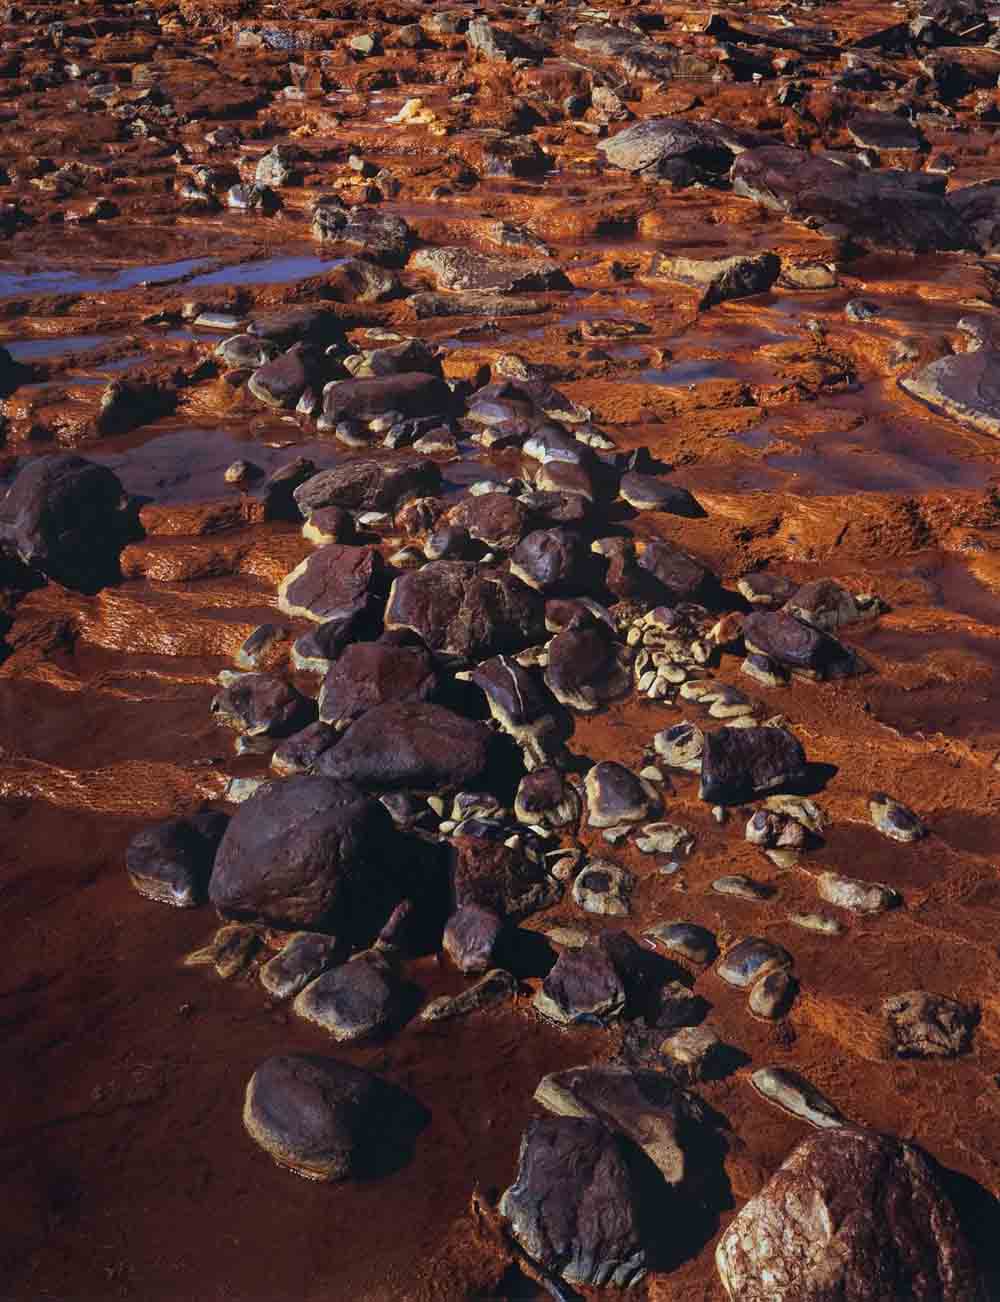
(410,744)
(495,519)
(675,574)
(615,795)
(657,145)
(549,560)
(366,485)
(738,763)
(260,705)
(462,612)
(411,393)
(68,519)
(573,1206)
(471,936)
(925,1025)
(305,852)
(586,667)
(850,1216)
(367,674)
(358,1000)
(171,862)
(490,874)
(719,279)
(371,232)
(335,582)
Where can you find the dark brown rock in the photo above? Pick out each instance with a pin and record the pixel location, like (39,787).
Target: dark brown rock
(470,938)
(335,582)
(493,875)
(549,560)
(260,705)
(676,574)
(924,1025)
(171,861)
(367,485)
(417,745)
(738,763)
(495,519)
(374,673)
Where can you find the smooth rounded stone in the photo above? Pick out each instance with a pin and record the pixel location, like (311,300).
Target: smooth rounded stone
(743,887)
(604,887)
(792,1093)
(230,951)
(719,279)
(857,896)
(762,588)
(586,985)
(171,862)
(281,382)
(495,987)
(738,763)
(259,647)
(548,560)
(328,524)
(750,959)
(806,651)
(924,1025)
(470,937)
(335,582)
(68,519)
(819,922)
(573,1207)
(808,274)
(242,351)
(692,1053)
(367,674)
(299,752)
(304,956)
(825,605)
(464,613)
(895,820)
(495,519)
(850,1215)
(678,576)
(315,1116)
(653,143)
(665,838)
(410,744)
(772,829)
(615,795)
(965,387)
(772,995)
(681,746)
(692,942)
(586,667)
(647,493)
(259,705)
(644,1106)
(303,852)
(545,798)
(463,269)
(355,1001)
(764,670)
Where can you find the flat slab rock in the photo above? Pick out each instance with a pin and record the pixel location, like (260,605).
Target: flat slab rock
(335,582)
(850,1216)
(573,1206)
(410,744)
(320,1118)
(462,269)
(965,387)
(644,1106)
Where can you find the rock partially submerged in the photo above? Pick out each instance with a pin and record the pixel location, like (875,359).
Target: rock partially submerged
(965,387)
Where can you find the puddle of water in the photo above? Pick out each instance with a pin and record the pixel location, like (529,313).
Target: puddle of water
(268,271)
(697,369)
(32,350)
(62,281)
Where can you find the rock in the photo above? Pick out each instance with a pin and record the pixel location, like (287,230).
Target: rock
(514,156)
(681,746)
(693,1053)
(367,674)
(825,605)
(762,588)
(772,829)
(573,1207)
(857,896)
(772,995)
(305,955)
(493,42)
(328,524)
(471,936)
(750,959)
(305,852)
(495,519)
(334,583)
(692,942)
(366,485)
(409,744)
(586,985)
(678,576)
(171,862)
(794,1094)
(615,795)
(743,887)
(548,560)
(820,922)
(851,1215)
(586,667)
(410,394)
(495,987)
(805,650)
(463,613)
(358,1000)
(544,797)
(647,493)
(604,887)
(261,645)
(895,820)
(68,519)
(320,1118)
(885,131)
(259,705)
(965,387)
(740,762)
(519,702)
(462,269)
(888,209)
(923,1025)
(719,279)
(644,1106)
(280,383)
(665,838)
(230,951)
(314,651)
(373,233)
(473,303)
(657,145)
(503,878)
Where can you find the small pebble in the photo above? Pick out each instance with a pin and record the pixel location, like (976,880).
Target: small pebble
(772,996)
(859,897)
(743,887)
(749,959)
(692,942)
(821,922)
(793,1093)
(895,820)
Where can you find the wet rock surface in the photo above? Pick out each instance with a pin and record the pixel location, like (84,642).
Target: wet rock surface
(619,383)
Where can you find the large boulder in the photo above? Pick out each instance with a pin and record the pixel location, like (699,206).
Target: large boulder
(305,852)
(69,519)
(410,744)
(850,1216)
(323,1119)
(573,1206)
(411,393)
(372,233)
(465,613)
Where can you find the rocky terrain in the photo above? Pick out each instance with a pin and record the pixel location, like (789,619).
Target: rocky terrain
(500,556)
